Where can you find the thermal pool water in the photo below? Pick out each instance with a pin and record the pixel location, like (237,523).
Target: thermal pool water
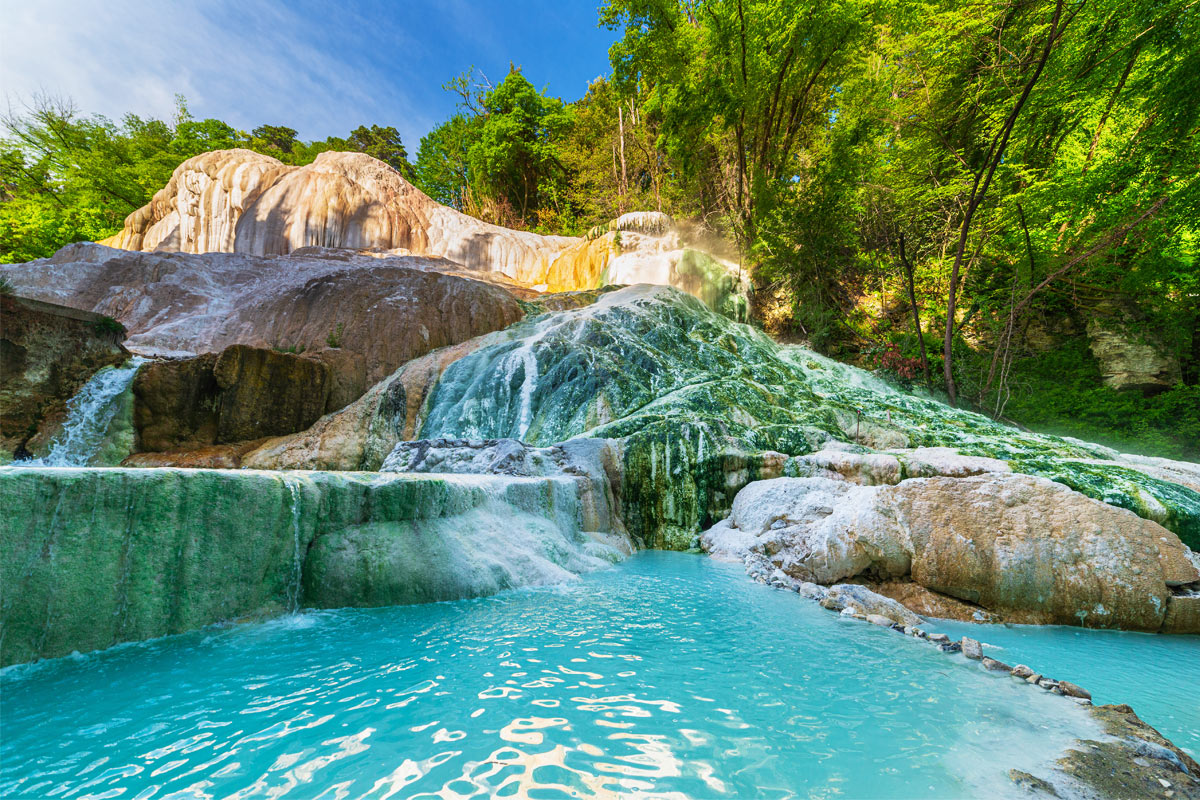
(1156,674)
(671,675)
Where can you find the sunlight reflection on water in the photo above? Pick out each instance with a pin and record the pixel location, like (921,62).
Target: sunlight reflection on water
(669,676)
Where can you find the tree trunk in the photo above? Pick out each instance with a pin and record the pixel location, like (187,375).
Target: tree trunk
(916,313)
(983,180)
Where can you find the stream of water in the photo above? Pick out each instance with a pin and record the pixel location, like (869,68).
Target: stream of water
(90,415)
(670,675)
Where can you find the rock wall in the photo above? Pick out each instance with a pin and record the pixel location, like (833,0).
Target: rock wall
(237,201)
(376,311)
(241,394)
(47,353)
(98,557)
(1131,361)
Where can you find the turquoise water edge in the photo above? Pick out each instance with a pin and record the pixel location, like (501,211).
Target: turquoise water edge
(1158,675)
(671,675)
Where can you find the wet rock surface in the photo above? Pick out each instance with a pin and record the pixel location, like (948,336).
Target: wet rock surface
(240,394)
(98,557)
(47,353)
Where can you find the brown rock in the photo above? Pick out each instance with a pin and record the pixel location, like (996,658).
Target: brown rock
(217,456)
(243,393)
(1072,690)
(1036,551)
(1183,615)
(993,665)
(375,311)
(361,435)
(47,353)
(1027,549)
(929,603)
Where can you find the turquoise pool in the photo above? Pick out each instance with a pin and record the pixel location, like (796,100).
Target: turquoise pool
(1158,675)
(671,675)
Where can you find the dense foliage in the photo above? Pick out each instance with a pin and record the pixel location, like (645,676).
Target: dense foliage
(953,192)
(65,177)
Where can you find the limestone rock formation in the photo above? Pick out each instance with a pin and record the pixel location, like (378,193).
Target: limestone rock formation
(47,353)
(241,394)
(98,557)
(701,406)
(379,310)
(237,201)
(1027,548)
(1128,360)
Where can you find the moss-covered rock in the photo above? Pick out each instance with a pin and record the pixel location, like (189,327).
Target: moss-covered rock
(93,557)
(698,400)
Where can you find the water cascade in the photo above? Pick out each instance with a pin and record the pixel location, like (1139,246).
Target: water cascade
(98,557)
(96,416)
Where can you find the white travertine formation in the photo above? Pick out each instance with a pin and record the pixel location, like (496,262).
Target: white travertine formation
(239,201)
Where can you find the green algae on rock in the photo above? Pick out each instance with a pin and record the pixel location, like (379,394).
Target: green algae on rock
(697,400)
(94,557)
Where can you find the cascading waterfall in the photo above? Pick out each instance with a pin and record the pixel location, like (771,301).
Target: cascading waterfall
(90,414)
(293,604)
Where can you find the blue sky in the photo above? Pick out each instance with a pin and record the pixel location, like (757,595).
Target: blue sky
(320,67)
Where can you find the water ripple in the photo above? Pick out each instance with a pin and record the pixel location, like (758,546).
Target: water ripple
(670,676)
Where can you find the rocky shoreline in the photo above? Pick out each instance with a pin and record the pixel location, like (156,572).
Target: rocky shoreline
(1133,760)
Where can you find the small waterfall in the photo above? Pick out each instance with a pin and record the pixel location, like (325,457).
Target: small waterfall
(293,604)
(90,413)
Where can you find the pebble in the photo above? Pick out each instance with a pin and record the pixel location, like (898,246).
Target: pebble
(1035,678)
(938,638)
(971,648)
(832,603)
(1072,690)
(880,620)
(952,647)
(1047,684)
(995,666)
(1021,671)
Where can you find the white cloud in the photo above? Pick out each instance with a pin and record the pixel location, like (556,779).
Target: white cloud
(318,66)
(247,63)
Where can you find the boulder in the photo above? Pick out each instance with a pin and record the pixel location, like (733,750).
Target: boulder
(971,648)
(1027,548)
(241,394)
(47,353)
(1037,551)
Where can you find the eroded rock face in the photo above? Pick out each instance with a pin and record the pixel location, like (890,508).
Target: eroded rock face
(237,201)
(1129,361)
(378,310)
(241,394)
(1030,549)
(47,353)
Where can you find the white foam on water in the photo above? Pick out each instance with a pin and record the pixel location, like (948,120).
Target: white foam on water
(90,413)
